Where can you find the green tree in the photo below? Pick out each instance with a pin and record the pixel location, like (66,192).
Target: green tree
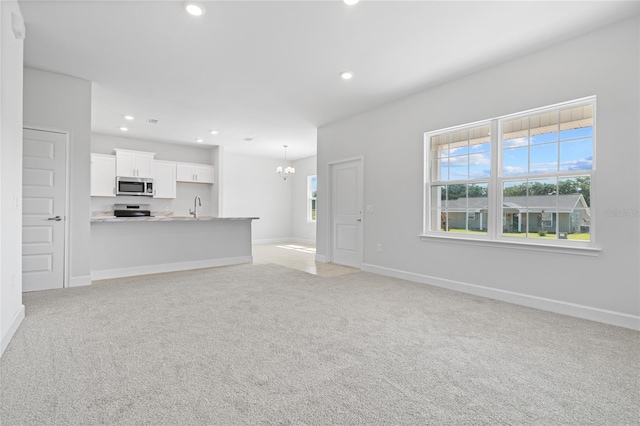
(578,185)
(477,191)
(460,191)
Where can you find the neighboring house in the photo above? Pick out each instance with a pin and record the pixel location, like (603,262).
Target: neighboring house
(570,212)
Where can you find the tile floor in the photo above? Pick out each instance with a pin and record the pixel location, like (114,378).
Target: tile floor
(297,256)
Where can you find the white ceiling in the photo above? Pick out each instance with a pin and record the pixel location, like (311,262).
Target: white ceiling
(269,70)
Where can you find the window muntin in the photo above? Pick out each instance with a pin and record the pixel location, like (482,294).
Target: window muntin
(550,144)
(460,168)
(462,154)
(553,141)
(312,188)
(542,169)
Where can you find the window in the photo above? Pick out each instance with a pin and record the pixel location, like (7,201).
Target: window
(522,177)
(459,180)
(312,188)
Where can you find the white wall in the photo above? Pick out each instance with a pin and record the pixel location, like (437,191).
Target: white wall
(603,63)
(251,188)
(185,192)
(60,102)
(11,59)
(302,230)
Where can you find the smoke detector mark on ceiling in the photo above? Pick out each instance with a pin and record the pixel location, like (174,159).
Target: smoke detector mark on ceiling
(152,121)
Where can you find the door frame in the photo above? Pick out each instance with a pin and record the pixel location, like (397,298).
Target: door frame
(330,165)
(67,193)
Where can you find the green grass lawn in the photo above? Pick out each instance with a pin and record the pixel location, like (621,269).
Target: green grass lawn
(579,237)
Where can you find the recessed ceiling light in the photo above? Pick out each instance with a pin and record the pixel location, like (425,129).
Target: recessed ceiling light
(124,129)
(346,75)
(247,139)
(129,117)
(213,132)
(194,8)
(199,140)
(350,2)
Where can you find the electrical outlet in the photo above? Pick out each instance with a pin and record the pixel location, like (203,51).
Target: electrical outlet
(369,208)
(379,248)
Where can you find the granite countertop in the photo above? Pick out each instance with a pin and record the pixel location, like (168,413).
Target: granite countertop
(163,218)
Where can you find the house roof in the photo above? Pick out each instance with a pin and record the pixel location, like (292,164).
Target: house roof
(564,203)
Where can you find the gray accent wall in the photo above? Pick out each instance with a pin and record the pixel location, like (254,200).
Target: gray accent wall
(62,103)
(390,138)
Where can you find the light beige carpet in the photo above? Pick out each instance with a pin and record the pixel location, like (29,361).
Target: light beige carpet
(263,344)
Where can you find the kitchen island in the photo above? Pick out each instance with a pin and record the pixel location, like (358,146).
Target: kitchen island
(128,246)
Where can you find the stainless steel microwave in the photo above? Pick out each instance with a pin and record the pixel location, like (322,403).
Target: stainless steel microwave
(134,186)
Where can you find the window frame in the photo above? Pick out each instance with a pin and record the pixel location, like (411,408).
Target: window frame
(311,199)
(494,235)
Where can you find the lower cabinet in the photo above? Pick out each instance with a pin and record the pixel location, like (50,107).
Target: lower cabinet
(164,179)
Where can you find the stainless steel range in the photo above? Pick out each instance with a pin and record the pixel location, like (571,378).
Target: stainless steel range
(131,210)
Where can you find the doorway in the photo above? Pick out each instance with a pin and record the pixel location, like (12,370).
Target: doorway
(346,186)
(44,209)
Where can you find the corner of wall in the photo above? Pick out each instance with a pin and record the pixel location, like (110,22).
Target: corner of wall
(15,322)
(11,119)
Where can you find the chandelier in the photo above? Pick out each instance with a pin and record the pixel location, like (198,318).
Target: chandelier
(284,172)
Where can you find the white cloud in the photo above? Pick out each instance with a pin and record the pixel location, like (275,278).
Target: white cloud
(511,170)
(459,161)
(479,159)
(514,143)
(573,165)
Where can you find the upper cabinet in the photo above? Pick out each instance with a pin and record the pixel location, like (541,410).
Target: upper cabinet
(134,163)
(103,175)
(164,179)
(198,173)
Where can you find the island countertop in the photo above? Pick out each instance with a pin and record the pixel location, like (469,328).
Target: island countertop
(128,246)
(160,218)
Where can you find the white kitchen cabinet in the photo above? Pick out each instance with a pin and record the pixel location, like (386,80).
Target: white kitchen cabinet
(164,179)
(198,173)
(134,163)
(103,175)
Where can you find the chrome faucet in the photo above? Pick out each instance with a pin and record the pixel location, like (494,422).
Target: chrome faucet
(196,202)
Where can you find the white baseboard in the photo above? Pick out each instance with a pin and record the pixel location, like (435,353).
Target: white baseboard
(106,274)
(557,306)
(80,281)
(15,322)
(321,258)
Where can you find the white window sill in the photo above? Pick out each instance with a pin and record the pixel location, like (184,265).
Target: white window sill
(579,250)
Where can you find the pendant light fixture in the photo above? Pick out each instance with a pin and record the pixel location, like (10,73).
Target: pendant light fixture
(285,171)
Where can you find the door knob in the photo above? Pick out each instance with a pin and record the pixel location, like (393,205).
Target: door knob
(57,218)
(359,220)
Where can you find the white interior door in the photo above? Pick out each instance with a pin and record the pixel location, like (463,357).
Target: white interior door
(346,213)
(44,204)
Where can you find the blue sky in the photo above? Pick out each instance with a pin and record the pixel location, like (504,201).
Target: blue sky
(576,153)
(535,155)
(313,184)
